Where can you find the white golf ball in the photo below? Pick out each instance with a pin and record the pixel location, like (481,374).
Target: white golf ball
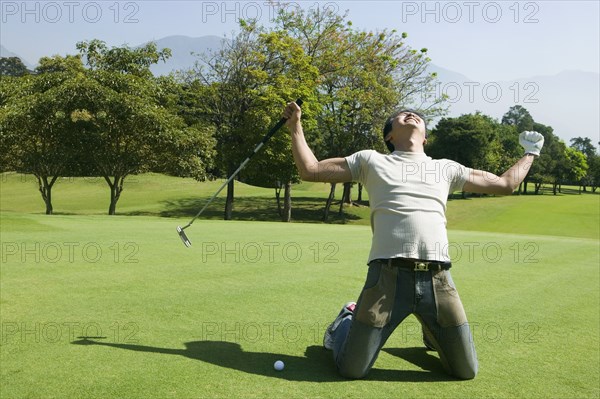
(279,365)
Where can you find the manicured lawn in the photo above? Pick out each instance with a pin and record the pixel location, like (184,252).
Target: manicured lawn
(97,306)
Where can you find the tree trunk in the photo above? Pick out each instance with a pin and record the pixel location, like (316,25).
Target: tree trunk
(537,187)
(525,186)
(49,208)
(346,197)
(116,188)
(329,201)
(45,188)
(287,203)
(278,198)
(229,200)
(360,188)
(113,202)
(554,185)
(520,188)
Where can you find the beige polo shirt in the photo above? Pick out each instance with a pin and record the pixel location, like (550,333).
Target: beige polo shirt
(407,195)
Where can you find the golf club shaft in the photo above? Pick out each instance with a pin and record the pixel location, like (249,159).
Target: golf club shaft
(270,134)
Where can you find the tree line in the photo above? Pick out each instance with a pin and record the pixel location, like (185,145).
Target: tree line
(102,112)
(480,142)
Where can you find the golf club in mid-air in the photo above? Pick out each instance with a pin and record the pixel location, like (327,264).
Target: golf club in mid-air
(274,129)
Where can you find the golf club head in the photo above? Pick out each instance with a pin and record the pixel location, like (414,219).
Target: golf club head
(183,237)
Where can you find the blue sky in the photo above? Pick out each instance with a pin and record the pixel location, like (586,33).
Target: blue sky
(487,41)
(484,40)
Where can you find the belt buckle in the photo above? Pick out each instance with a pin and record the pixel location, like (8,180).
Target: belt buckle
(421,267)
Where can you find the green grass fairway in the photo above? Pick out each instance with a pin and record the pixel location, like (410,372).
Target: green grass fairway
(156,195)
(116,307)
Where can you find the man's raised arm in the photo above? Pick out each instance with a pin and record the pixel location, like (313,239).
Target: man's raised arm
(488,183)
(333,170)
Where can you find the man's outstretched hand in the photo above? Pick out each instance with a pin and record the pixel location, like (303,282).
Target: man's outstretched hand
(292,113)
(532,142)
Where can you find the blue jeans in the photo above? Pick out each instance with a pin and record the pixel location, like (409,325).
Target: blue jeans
(389,295)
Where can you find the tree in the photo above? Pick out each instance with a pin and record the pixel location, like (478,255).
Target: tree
(585,146)
(12,66)
(289,76)
(518,116)
(68,63)
(190,150)
(509,148)
(323,36)
(593,174)
(576,167)
(363,77)
(468,140)
(73,121)
(548,166)
(34,129)
(243,88)
(9,90)
(568,166)
(556,163)
(521,119)
(476,141)
(127,129)
(123,60)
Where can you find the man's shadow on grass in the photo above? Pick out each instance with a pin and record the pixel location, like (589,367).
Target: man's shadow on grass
(316,366)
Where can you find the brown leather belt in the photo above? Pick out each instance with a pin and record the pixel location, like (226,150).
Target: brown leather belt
(417,265)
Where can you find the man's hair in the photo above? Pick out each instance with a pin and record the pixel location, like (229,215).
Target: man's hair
(388,125)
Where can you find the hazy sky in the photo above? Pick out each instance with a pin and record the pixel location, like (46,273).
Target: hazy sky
(484,40)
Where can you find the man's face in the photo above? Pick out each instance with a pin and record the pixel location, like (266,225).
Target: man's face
(409,119)
(405,124)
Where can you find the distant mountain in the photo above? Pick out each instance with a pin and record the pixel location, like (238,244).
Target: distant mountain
(446,75)
(183,48)
(568,101)
(4,52)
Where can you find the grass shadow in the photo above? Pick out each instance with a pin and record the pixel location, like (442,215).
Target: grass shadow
(316,365)
(423,359)
(304,209)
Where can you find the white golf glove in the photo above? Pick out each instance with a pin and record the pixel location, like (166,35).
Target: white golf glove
(532,142)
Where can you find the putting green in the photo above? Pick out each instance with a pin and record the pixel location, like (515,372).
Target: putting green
(97,306)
